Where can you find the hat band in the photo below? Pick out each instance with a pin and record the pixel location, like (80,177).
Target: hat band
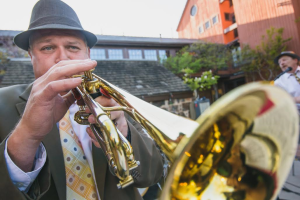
(54,20)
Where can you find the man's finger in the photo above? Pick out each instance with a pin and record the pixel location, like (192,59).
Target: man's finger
(61,72)
(69,99)
(64,63)
(60,86)
(92,136)
(92,119)
(104,101)
(90,133)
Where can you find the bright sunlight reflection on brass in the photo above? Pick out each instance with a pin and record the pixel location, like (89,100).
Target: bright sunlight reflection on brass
(242,147)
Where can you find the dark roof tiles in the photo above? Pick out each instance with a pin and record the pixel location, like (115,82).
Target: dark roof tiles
(140,78)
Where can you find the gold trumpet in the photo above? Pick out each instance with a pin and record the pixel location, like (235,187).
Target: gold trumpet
(242,147)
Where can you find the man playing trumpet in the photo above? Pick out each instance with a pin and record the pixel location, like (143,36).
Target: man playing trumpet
(46,155)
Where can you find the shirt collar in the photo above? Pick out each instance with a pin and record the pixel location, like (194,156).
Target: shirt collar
(297,70)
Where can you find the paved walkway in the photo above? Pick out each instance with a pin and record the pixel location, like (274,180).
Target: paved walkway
(291,188)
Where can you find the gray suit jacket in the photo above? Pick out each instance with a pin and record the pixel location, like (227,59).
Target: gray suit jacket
(51,182)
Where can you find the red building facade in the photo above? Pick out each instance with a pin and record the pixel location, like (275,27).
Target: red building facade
(255,16)
(240,20)
(207,20)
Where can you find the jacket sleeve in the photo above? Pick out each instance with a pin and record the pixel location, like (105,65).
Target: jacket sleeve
(10,191)
(151,162)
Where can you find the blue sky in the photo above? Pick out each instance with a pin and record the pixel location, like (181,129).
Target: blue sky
(147,18)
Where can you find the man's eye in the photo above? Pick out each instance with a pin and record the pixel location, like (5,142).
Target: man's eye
(74,47)
(47,48)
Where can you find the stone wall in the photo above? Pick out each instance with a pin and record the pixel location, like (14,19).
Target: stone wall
(177,106)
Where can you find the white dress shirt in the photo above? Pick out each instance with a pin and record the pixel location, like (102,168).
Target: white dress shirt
(24,180)
(289,83)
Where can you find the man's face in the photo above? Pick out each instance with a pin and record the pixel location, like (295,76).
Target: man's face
(49,47)
(287,61)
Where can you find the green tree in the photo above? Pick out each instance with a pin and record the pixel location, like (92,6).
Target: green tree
(204,82)
(205,58)
(261,59)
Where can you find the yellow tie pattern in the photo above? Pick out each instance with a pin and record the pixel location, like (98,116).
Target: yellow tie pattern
(297,78)
(80,182)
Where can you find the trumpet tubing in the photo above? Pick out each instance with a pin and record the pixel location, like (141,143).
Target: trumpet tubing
(240,148)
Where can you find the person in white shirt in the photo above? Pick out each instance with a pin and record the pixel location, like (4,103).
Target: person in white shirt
(288,81)
(32,162)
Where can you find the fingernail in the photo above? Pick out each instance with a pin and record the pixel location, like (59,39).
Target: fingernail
(77,79)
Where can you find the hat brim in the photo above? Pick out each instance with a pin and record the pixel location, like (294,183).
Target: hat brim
(286,54)
(22,39)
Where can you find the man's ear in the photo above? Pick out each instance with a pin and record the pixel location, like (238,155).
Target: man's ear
(29,53)
(297,61)
(89,53)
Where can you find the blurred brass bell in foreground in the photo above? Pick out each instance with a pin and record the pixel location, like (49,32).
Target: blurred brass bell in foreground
(242,147)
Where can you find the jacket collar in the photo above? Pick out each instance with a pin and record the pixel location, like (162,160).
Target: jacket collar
(26,93)
(24,96)
(296,72)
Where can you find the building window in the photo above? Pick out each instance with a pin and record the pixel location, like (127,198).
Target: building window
(215,20)
(227,16)
(236,56)
(135,54)
(115,53)
(207,25)
(167,53)
(233,18)
(230,3)
(193,10)
(98,54)
(150,54)
(162,55)
(201,30)
(235,32)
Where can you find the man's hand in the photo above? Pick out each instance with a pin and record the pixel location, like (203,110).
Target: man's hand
(117,117)
(48,102)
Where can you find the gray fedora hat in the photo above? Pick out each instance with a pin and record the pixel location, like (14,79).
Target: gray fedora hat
(286,53)
(52,14)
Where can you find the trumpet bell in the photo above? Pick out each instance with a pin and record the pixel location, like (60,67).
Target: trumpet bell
(243,148)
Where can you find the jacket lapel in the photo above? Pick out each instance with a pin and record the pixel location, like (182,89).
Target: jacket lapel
(100,167)
(56,161)
(24,96)
(53,148)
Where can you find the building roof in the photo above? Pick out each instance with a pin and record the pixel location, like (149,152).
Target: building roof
(143,41)
(127,40)
(17,73)
(10,33)
(140,78)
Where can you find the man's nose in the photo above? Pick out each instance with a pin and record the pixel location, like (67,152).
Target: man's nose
(61,54)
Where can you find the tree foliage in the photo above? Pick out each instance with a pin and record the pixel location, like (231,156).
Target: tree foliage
(261,59)
(200,57)
(204,82)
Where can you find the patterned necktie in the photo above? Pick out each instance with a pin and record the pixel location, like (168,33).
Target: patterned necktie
(80,183)
(297,78)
